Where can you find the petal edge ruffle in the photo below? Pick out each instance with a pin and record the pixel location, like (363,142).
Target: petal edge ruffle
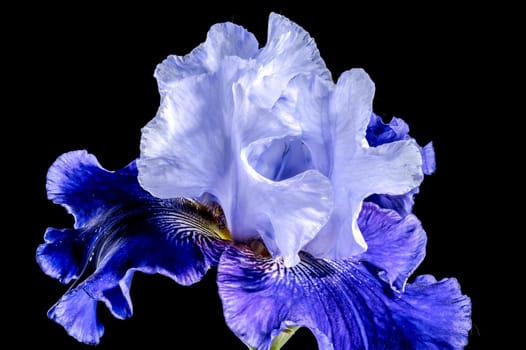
(396,244)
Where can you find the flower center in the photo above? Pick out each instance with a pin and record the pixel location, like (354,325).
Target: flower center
(211,218)
(281,158)
(259,248)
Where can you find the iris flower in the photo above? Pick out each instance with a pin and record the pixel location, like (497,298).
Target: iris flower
(259,164)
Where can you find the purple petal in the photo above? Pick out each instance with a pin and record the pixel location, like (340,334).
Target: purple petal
(177,238)
(402,204)
(428,157)
(396,244)
(342,302)
(164,237)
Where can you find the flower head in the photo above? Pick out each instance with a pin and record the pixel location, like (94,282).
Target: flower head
(259,163)
(281,147)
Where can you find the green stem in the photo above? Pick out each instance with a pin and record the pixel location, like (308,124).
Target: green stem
(282,338)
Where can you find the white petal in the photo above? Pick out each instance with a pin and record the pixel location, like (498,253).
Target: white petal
(223,40)
(199,142)
(306,99)
(340,237)
(279,158)
(193,144)
(350,111)
(392,168)
(187,147)
(359,170)
(289,51)
(289,212)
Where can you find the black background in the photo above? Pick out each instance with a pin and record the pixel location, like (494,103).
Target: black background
(82,78)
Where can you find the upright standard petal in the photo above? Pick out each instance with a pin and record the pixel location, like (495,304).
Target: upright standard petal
(358,170)
(343,303)
(291,211)
(306,100)
(289,52)
(223,40)
(103,253)
(208,137)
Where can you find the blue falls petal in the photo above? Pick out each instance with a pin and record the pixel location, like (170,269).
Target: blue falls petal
(166,237)
(76,311)
(78,182)
(63,255)
(396,243)
(343,303)
(428,157)
(178,238)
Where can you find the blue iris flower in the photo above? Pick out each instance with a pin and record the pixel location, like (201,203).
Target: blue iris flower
(257,162)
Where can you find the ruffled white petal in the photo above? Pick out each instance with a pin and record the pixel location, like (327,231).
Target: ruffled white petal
(306,99)
(291,212)
(208,137)
(358,170)
(392,168)
(350,110)
(223,40)
(290,51)
(191,145)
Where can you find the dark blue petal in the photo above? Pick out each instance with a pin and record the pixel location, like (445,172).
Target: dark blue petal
(396,244)
(62,256)
(343,303)
(178,238)
(378,132)
(77,181)
(169,237)
(76,311)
